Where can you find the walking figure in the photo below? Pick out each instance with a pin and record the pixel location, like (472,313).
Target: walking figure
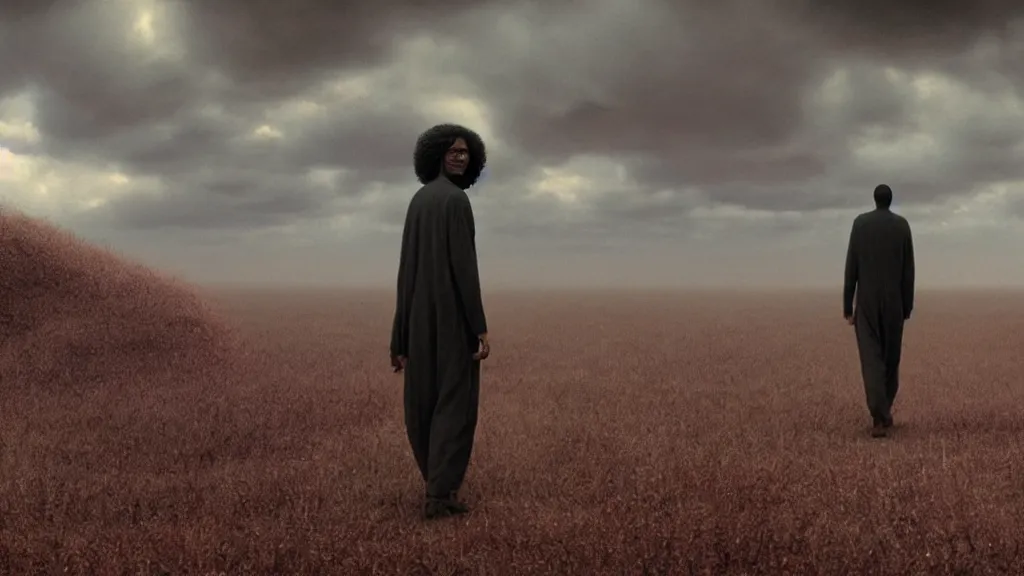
(880,271)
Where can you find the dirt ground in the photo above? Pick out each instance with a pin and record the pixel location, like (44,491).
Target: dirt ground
(622,433)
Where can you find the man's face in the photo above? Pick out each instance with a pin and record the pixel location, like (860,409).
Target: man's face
(456,159)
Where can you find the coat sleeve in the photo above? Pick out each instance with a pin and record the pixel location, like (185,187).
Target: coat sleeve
(399,326)
(851,274)
(908,274)
(462,255)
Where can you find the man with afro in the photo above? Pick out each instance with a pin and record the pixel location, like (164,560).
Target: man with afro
(439,335)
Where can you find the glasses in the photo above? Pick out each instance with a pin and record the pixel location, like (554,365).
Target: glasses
(458,153)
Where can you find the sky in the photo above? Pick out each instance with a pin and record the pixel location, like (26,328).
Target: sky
(643,143)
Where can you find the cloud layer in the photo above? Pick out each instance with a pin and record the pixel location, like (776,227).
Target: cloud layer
(619,135)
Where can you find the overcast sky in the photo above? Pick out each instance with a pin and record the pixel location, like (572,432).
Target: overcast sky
(648,142)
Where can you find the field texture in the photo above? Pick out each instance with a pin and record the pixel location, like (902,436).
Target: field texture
(619,434)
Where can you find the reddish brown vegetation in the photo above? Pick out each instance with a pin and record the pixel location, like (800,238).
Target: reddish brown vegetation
(619,434)
(75,316)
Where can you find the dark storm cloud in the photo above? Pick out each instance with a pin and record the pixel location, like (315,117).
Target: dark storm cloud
(658,83)
(981,41)
(376,142)
(20,11)
(677,95)
(722,97)
(255,180)
(168,145)
(223,199)
(698,97)
(272,47)
(914,28)
(102,100)
(980,151)
(617,213)
(1016,205)
(90,82)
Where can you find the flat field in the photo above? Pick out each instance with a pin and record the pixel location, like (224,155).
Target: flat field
(629,433)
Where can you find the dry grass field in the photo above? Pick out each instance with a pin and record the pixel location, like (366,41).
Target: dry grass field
(620,434)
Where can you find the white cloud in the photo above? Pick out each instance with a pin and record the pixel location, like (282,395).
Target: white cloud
(888,149)
(946,106)
(979,210)
(153,28)
(266,132)
(23,131)
(580,179)
(17,120)
(462,110)
(61,190)
(565,185)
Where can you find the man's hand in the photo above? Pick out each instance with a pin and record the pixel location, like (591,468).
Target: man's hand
(485,348)
(849,319)
(397,363)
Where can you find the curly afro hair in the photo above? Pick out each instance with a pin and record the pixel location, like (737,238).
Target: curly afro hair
(432,145)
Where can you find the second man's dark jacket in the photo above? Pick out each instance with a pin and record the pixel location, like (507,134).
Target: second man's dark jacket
(880,266)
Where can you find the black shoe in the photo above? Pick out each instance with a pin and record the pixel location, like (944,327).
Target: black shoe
(879,430)
(443,508)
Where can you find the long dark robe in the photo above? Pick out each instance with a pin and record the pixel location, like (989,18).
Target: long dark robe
(439,316)
(880,271)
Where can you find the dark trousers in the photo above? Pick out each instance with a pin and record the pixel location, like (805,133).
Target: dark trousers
(880,344)
(441,407)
